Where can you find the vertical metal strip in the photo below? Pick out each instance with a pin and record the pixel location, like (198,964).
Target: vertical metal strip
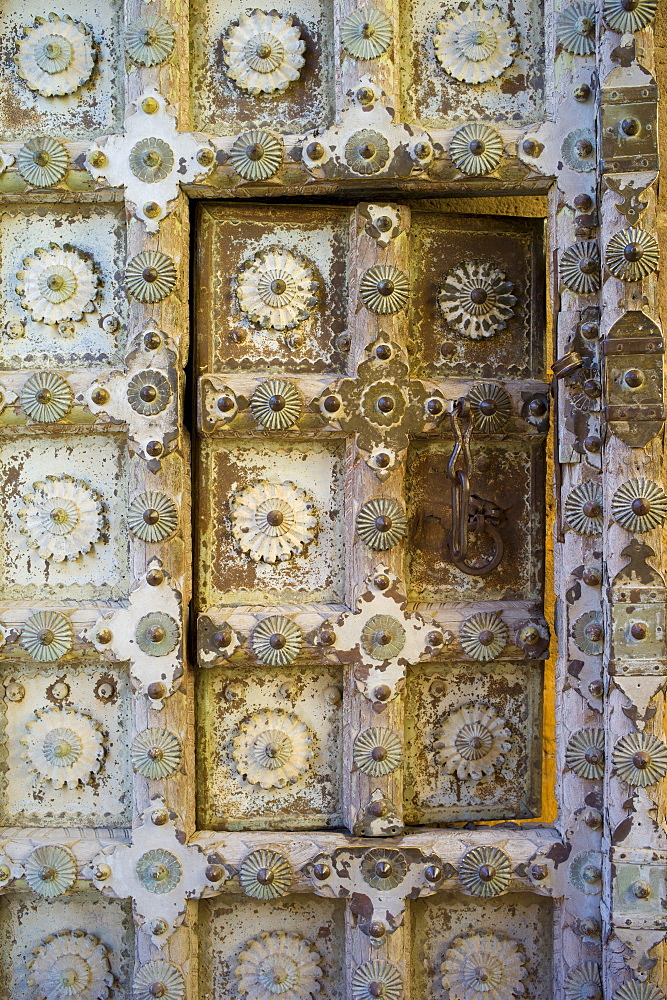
(635,506)
(577,557)
(170,318)
(373,804)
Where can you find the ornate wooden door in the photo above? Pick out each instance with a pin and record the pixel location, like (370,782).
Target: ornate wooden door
(332,610)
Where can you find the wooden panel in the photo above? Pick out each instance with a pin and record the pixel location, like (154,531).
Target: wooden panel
(99,337)
(219,34)
(89,101)
(501,701)
(232,470)
(443,84)
(237,934)
(91,701)
(452,931)
(507,473)
(511,345)
(231,236)
(241,787)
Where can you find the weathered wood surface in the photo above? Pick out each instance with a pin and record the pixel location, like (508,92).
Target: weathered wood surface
(593,921)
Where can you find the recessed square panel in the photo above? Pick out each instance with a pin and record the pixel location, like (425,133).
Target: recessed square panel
(243,322)
(64,502)
(510,936)
(80,321)
(236,84)
(269,748)
(240,485)
(81,98)
(36,936)
(508,475)
(65,732)
(450,79)
(473,739)
(235,932)
(477,303)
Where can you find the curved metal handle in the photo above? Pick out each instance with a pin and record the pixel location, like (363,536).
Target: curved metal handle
(458,544)
(462,521)
(487,567)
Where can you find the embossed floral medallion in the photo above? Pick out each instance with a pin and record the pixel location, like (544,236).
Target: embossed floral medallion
(57,284)
(476,43)
(366,33)
(50,870)
(47,635)
(476,299)
(263,52)
(156,753)
(640,759)
(584,753)
(152,516)
(272,521)
(150,276)
(63,518)
(71,964)
(273,749)
(639,505)
(256,155)
(149,40)
(151,160)
(484,965)
(582,510)
(483,636)
(265,874)
(476,149)
(158,979)
(629,15)
(377,979)
(579,267)
(63,746)
(278,963)
(485,871)
(366,152)
(276,404)
(277,289)
(46,397)
(42,161)
(472,742)
(159,870)
(582,982)
(575,28)
(276,640)
(377,751)
(632,254)
(55,57)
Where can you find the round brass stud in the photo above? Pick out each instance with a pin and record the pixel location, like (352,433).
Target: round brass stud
(214,873)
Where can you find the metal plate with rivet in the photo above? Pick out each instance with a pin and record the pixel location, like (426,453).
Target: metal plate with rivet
(634,387)
(639,890)
(639,630)
(629,122)
(633,345)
